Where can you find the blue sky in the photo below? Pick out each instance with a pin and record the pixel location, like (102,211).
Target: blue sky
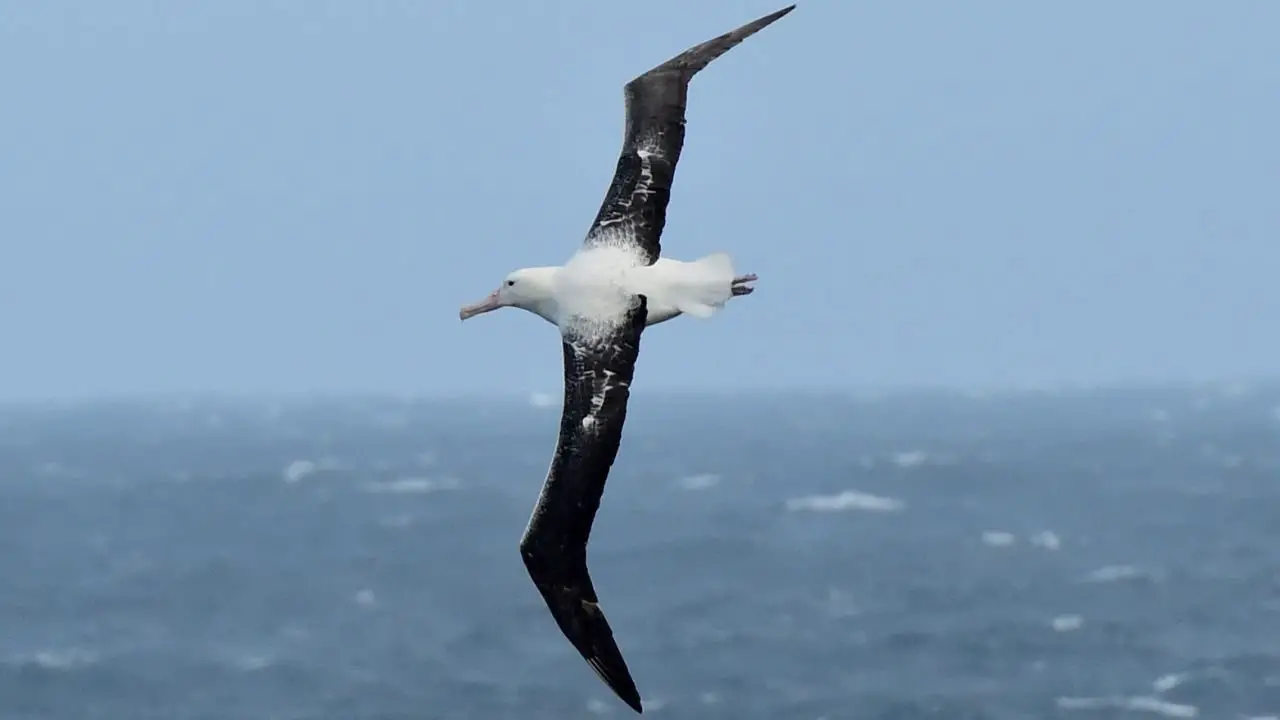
(297,196)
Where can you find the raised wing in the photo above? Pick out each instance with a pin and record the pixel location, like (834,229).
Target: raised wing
(597,383)
(634,210)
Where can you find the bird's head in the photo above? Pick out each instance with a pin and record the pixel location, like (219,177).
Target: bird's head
(528,289)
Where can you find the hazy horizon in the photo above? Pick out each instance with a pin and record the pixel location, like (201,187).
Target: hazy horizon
(550,396)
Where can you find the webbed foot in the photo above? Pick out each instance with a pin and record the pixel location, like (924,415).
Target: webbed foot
(739,285)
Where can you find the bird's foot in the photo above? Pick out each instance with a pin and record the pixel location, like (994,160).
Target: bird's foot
(739,285)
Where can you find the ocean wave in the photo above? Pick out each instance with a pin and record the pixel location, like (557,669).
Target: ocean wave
(1139,703)
(847,500)
(701,481)
(68,658)
(410,485)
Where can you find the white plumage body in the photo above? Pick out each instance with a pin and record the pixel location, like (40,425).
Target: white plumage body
(599,284)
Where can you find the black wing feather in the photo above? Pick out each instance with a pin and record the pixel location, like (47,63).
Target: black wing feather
(597,384)
(634,211)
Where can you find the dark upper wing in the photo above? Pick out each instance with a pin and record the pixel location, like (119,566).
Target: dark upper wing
(597,380)
(634,210)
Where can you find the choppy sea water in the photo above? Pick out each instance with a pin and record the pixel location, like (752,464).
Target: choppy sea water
(1106,554)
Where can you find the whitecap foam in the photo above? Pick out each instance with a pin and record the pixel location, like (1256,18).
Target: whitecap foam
(409,485)
(998,538)
(1165,683)
(1146,703)
(1113,573)
(847,500)
(1067,623)
(701,481)
(1046,539)
(297,470)
(64,659)
(1141,703)
(910,458)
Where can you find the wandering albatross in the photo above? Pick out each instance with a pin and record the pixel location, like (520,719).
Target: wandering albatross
(602,299)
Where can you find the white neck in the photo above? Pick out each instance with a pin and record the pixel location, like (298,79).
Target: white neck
(541,302)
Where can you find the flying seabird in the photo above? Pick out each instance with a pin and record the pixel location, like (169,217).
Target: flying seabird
(613,287)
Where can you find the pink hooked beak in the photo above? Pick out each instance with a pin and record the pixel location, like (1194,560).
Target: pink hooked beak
(493,302)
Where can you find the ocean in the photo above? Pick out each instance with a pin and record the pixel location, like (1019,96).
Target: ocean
(1091,553)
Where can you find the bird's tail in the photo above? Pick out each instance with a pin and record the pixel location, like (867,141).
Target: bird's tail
(704,285)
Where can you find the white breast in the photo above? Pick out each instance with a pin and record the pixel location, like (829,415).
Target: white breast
(594,284)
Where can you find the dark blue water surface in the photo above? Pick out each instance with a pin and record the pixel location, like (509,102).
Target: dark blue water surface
(1040,555)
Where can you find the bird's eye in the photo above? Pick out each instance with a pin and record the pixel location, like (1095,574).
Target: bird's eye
(510,283)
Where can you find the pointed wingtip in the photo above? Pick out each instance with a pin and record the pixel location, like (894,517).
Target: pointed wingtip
(693,60)
(725,42)
(627,693)
(759,24)
(630,696)
(566,587)
(601,652)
